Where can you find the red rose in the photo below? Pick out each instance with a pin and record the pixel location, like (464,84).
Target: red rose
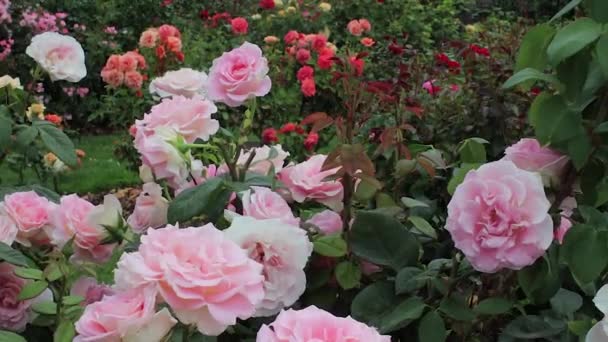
(308,87)
(239,25)
(305,72)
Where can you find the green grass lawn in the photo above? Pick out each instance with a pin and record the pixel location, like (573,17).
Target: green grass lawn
(100,170)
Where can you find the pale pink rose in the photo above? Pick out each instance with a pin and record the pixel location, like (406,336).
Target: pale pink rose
(567,208)
(498,217)
(266,159)
(113,77)
(201,174)
(263,203)
(529,155)
(89,289)
(8,228)
(328,222)
(189,117)
(29,211)
(60,56)
(205,278)
(185,82)
(67,218)
(365,24)
(283,250)
(148,38)
(133,80)
(125,316)
(239,75)
(150,209)
(354,27)
(313,324)
(599,332)
(307,181)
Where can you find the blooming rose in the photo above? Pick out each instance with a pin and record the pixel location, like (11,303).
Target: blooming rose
(291,37)
(189,117)
(431,88)
(205,278)
(529,155)
(125,316)
(14,83)
(14,313)
(314,324)
(239,75)
(305,72)
(308,87)
(29,211)
(61,56)
(174,44)
(185,81)
(148,38)
(113,77)
(498,217)
(599,332)
(368,42)
(165,31)
(283,250)
(271,39)
(307,181)
(239,25)
(127,62)
(328,222)
(303,55)
(266,159)
(263,203)
(133,80)
(311,141)
(269,135)
(89,289)
(150,209)
(354,27)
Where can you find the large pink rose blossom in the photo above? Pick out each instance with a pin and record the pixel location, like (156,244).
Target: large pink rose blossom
(125,316)
(498,217)
(150,209)
(266,159)
(283,250)
(529,155)
(30,212)
(328,222)
(263,203)
(189,117)
(205,278)
(239,75)
(313,324)
(60,56)
(185,82)
(307,181)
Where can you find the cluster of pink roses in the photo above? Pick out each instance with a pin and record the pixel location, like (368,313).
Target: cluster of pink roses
(5,16)
(80,91)
(357,27)
(164,39)
(499,215)
(43,21)
(125,69)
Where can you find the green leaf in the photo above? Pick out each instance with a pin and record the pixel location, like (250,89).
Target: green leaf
(6,128)
(431,328)
(72,300)
(534,328)
(348,275)
(459,174)
(601,128)
(566,302)
(413,203)
(7,336)
(423,226)
(584,250)
(532,50)
(579,150)
(57,142)
(32,290)
(45,308)
(330,245)
(26,136)
(472,151)
(493,306)
(539,281)
(65,332)
(456,308)
(529,74)
(377,305)
(209,199)
(601,50)
(12,256)
(572,38)
(410,279)
(553,122)
(383,240)
(598,9)
(29,273)
(569,7)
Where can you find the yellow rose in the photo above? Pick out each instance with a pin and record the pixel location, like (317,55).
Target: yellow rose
(36,109)
(278,3)
(291,9)
(325,7)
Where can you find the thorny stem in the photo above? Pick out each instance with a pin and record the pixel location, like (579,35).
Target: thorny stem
(246,166)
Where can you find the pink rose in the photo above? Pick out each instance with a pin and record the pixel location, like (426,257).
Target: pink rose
(567,208)
(308,87)
(60,56)
(166,31)
(239,26)
(125,316)
(529,155)
(8,228)
(29,211)
(431,88)
(307,181)
(303,55)
(189,117)
(150,209)
(266,159)
(305,72)
(354,27)
(113,62)
(127,63)
(148,38)
(283,250)
(291,37)
(113,77)
(498,217)
(185,82)
(174,44)
(328,222)
(133,80)
(314,324)
(365,24)
(89,289)
(263,203)
(205,278)
(239,75)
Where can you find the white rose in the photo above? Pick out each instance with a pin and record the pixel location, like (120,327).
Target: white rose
(14,83)
(599,332)
(283,250)
(60,56)
(185,81)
